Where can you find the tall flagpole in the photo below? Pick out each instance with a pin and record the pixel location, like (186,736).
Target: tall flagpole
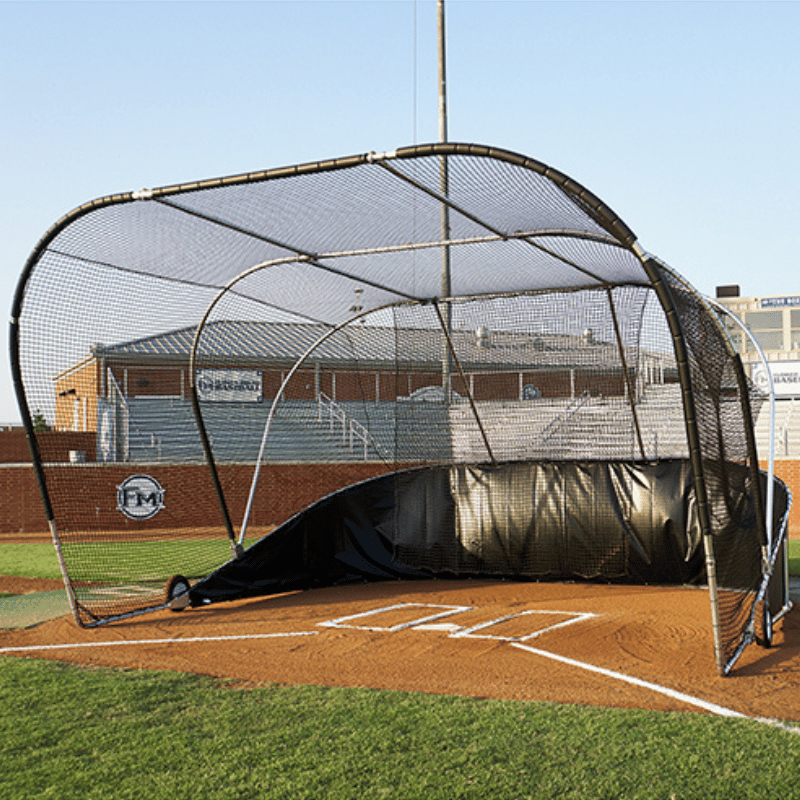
(442,72)
(446,288)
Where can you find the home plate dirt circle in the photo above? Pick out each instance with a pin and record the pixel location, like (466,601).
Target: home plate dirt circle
(616,646)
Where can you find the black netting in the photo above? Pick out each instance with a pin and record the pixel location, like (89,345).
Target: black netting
(502,373)
(736,531)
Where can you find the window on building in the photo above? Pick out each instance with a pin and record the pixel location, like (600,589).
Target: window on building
(795,326)
(767,327)
(737,338)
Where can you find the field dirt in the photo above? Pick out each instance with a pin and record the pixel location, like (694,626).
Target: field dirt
(15,585)
(471,638)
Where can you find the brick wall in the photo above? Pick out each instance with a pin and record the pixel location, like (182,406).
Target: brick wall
(21,509)
(14,447)
(788,470)
(190,502)
(54,445)
(85,495)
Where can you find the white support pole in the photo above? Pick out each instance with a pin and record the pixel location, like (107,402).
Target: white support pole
(278,395)
(73,603)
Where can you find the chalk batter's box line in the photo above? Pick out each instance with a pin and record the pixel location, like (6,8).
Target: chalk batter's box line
(462,633)
(470,633)
(341,622)
(423,622)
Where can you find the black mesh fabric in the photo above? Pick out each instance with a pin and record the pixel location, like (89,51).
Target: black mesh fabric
(737,534)
(198,364)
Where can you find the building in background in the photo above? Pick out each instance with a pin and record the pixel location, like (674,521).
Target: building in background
(774,322)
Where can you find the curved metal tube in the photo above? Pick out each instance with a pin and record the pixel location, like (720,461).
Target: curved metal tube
(279,394)
(771,459)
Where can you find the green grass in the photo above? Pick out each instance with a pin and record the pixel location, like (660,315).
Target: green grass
(116,561)
(124,562)
(794,557)
(39,560)
(32,560)
(72,732)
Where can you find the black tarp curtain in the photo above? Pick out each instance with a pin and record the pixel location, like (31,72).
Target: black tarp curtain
(594,520)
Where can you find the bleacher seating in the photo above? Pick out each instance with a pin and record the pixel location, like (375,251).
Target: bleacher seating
(164,430)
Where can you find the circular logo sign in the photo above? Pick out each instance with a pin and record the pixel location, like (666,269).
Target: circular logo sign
(140,497)
(760,377)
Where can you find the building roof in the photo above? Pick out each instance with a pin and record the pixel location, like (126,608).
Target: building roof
(242,342)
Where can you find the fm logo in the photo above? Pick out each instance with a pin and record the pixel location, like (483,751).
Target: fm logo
(140,497)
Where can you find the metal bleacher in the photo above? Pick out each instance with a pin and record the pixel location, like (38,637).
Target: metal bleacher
(787,429)
(164,430)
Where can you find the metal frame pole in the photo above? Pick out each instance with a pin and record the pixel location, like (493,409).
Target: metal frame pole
(665,297)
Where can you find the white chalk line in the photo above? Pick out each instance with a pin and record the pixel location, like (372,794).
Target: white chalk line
(686,698)
(341,622)
(41,647)
(470,633)
(675,695)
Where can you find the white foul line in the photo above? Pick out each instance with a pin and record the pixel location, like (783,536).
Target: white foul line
(685,698)
(154,641)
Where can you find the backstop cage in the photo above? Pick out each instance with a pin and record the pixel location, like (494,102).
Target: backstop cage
(445,360)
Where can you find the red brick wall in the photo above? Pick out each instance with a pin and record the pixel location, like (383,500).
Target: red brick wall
(21,509)
(14,447)
(788,470)
(54,445)
(284,489)
(85,496)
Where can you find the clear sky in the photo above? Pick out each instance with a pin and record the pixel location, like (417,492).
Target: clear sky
(684,117)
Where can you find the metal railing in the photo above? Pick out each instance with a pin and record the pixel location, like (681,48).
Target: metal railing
(120,433)
(783,433)
(352,430)
(557,422)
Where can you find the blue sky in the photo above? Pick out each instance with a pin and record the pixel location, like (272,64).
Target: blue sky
(682,116)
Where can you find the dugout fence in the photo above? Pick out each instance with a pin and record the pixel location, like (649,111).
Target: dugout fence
(444,360)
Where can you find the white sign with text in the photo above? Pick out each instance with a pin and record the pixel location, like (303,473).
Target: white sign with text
(785,377)
(229,385)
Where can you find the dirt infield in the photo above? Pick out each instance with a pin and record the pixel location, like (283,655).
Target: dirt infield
(15,585)
(472,638)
